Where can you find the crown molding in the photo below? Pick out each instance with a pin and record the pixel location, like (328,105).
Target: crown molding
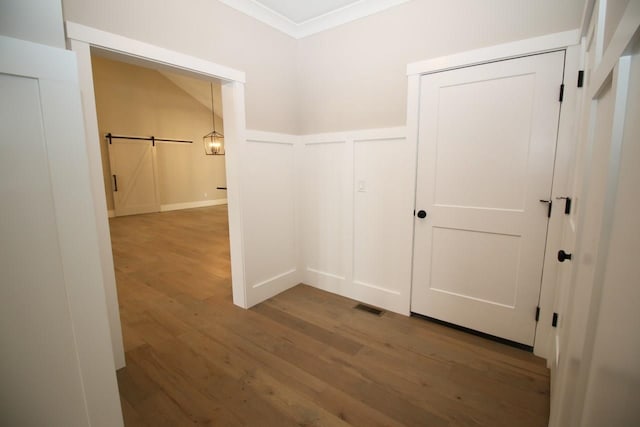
(315,25)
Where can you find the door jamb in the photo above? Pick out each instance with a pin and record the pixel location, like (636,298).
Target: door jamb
(80,40)
(570,42)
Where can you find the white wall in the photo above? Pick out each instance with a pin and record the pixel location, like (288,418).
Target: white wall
(38,21)
(614,375)
(598,376)
(353,76)
(209,30)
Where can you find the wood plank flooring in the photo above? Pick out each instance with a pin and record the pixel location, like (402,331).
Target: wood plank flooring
(304,358)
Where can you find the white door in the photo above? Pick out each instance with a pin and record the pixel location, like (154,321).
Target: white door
(486,150)
(56,362)
(133,177)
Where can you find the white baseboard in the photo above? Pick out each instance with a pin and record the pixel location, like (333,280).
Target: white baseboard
(191,205)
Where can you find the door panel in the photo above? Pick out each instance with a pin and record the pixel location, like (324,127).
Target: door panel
(485,160)
(133,171)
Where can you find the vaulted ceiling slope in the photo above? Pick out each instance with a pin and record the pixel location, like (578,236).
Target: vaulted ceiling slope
(301,18)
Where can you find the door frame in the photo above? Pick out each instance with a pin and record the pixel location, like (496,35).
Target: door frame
(81,39)
(569,41)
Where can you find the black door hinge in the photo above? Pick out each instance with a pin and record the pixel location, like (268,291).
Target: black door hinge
(580,78)
(554,320)
(561,92)
(537,313)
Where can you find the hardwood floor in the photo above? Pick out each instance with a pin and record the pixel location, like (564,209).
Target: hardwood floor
(303,358)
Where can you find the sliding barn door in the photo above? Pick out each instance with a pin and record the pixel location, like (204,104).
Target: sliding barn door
(487,140)
(133,177)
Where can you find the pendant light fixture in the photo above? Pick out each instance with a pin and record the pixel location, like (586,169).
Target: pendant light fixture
(214,140)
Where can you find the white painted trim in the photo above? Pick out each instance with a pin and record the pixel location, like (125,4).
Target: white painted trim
(233,99)
(324,273)
(192,205)
(298,30)
(276,277)
(272,137)
(622,37)
(499,52)
(345,15)
(265,15)
(377,288)
(149,52)
(99,198)
(587,11)
(355,135)
(544,344)
(81,40)
(273,286)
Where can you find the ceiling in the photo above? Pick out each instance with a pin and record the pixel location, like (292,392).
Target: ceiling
(302,18)
(299,11)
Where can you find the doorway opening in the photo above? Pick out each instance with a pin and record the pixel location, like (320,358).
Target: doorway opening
(87,42)
(165,194)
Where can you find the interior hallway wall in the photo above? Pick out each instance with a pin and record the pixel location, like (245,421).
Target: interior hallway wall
(132,100)
(38,21)
(354,76)
(212,31)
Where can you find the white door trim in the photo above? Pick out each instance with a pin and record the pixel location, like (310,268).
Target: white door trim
(149,52)
(568,40)
(82,39)
(546,43)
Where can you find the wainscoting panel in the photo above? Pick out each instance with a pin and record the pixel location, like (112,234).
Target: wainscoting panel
(356,203)
(323,200)
(383,222)
(268,192)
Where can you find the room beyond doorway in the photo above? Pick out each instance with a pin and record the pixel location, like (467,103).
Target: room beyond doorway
(151,123)
(175,259)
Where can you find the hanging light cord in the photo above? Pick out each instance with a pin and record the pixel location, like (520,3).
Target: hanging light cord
(213,111)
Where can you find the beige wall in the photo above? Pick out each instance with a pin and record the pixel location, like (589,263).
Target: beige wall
(350,77)
(354,76)
(210,30)
(132,100)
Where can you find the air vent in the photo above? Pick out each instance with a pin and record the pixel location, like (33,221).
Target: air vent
(369,309)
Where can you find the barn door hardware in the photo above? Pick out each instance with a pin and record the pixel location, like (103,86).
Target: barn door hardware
(153,139)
